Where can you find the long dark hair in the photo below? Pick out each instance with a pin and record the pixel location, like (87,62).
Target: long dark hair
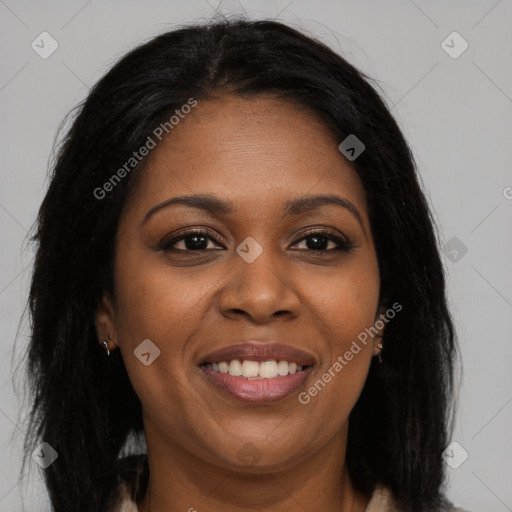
(87,410)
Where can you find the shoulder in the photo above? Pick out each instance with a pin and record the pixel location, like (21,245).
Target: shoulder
(124,501)
(383,500)
(132,474)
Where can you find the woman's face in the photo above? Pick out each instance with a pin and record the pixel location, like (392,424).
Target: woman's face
(255,279)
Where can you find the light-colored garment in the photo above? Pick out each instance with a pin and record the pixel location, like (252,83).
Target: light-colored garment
(381,501)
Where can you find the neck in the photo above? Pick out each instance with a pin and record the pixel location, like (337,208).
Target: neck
(181,481)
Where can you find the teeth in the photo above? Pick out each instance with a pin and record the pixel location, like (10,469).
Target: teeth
(256,370)
(268,369)
(250,368)
(235,368)
(283,367)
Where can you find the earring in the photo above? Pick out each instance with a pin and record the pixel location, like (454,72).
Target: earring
(105,344)
(379,345)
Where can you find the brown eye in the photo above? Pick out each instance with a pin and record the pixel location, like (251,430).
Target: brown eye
(191,241)
(322,241)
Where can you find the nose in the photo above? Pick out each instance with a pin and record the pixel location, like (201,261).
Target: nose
(261,290)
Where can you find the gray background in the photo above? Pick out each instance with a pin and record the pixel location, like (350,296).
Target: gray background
(455,112)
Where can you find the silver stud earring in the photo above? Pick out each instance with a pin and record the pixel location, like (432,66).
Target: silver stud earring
(379,345)
(105,344)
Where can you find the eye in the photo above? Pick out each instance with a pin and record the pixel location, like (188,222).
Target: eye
(191,241)
(323,240)
(199,241)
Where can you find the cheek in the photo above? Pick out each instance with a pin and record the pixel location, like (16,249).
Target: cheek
(154,303)
(346,303)
(154,300)
(344,306)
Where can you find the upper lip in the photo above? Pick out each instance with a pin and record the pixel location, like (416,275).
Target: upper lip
(255,351)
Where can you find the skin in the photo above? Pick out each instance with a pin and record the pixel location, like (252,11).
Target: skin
(256,153)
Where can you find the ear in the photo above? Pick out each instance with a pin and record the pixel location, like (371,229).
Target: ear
(104,320)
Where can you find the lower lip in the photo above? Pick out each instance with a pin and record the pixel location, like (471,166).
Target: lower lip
(257,390)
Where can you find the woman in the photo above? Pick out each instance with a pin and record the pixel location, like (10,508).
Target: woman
(236,260)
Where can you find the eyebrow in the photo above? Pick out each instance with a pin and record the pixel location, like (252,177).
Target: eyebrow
(215,206)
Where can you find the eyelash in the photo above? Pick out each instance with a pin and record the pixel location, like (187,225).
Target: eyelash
(343,245)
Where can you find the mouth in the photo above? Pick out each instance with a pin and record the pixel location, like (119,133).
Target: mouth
(255,388)
(255,372)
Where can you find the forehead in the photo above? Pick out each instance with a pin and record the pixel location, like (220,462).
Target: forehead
(252,150)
